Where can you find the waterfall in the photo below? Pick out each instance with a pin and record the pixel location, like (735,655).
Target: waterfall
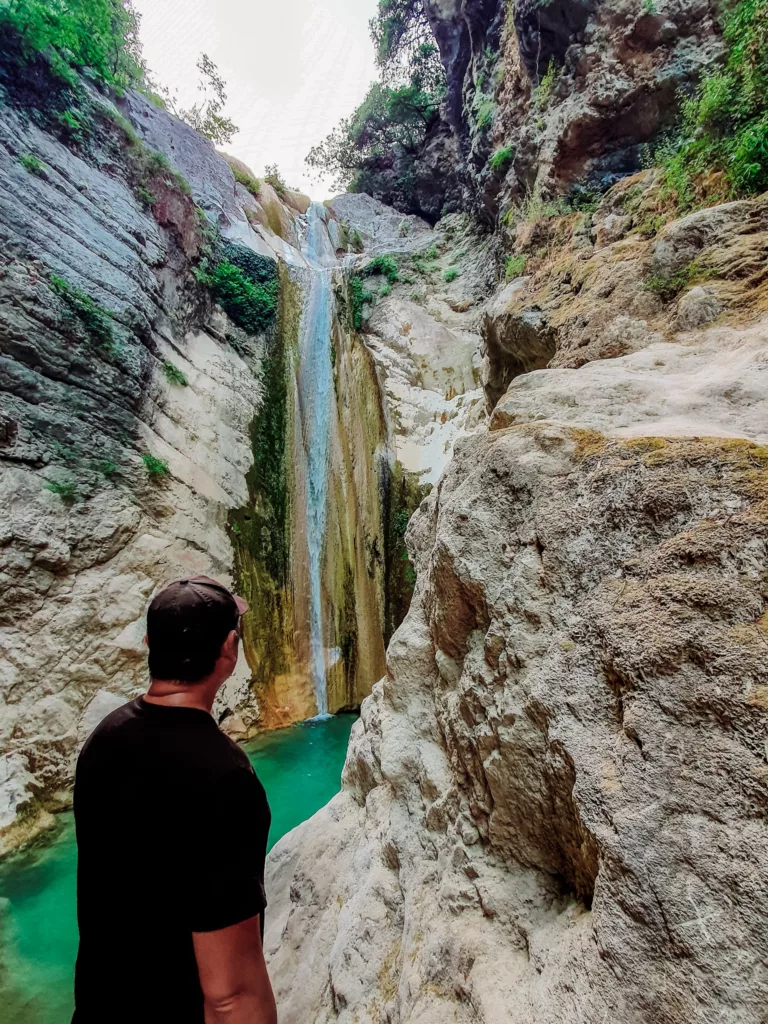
(315,381)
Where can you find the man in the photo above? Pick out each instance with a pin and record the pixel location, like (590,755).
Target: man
(172,828)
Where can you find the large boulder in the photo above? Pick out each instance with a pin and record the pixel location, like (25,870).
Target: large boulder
(554,806)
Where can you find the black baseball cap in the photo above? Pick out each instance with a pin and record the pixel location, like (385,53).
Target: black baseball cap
(187,623)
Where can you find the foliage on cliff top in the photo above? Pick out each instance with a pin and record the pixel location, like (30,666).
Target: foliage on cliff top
(206,115)
(393,120)
(273,177)
(101,35)
(399,31)
(725,125)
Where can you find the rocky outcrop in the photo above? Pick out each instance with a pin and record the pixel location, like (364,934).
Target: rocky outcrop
(145,434)
(553,804)
(563,94)
(553,807)
(96,299)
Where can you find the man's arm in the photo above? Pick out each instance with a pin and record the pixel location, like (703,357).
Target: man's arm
(233,975)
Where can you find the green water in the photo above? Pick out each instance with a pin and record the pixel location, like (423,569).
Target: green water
(300,768)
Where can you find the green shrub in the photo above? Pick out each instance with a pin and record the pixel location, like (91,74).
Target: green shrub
(515,265)
(258,268)
(385,290)
(248,181)
(145,195)
(386,265)
(34,165)
(155,467)
(667,288)
(502,158)
(450,275)
(66,490)
(107,468)
(485,108)
(358,296)
(249,302)
(174,375)
(356,241)
(725,125)
(274,178)
(96,321)
(74,125)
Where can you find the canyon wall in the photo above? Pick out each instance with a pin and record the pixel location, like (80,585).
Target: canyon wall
(146,433)
(554,805)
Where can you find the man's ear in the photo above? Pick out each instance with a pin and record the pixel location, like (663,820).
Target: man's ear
(230,644)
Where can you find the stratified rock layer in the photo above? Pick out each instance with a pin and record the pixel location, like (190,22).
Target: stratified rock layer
(554,805)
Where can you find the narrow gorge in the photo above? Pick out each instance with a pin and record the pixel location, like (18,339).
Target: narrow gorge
(483,441)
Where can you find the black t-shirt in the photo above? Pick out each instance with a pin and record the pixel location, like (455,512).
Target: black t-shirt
(172,828)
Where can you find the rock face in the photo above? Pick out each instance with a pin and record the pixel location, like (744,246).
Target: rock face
(553,807)
(554,804)
(568,91)
(136,422)
(94,301)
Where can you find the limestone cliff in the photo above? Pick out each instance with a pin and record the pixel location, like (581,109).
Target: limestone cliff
(553,808)
(182,390)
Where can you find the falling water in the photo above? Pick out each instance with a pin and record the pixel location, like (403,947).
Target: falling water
(316,394)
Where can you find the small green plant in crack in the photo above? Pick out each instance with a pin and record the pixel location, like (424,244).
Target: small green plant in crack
(156,468)
(65,453)
(385,265)
(144,194)
(450,275)
(75,126)
(359,297)
(650,7)
(107,468)
(543,92)
(515,265)
(174,375)
(65,489)
(97,322)
(485,110)
(501,158)
(34,165)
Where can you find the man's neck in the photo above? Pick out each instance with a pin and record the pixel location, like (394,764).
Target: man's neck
(172,694)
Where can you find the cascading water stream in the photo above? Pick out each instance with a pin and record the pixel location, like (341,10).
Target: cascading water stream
(315,381)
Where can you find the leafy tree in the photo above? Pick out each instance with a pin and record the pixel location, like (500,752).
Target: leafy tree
(206,116)
(98,34)
(401,31)
(385,134)
(389,121)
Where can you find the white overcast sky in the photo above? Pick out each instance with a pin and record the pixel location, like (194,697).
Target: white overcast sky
(293,69)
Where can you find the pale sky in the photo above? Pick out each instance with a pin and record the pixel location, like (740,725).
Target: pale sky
(293,69)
